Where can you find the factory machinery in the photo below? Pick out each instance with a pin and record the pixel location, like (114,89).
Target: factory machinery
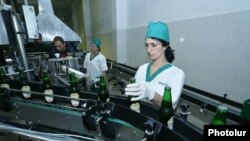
(35,119)
(92,120)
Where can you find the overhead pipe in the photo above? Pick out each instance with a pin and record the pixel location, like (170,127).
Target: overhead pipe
(20,41)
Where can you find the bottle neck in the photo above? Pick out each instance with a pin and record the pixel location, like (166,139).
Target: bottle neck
(72,84)
(102,80)
(167,98)
(219,118)
(73,88)
(22,76)
(46,84)
(102,84)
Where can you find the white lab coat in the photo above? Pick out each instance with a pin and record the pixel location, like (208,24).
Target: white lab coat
(166,75)
(95,67)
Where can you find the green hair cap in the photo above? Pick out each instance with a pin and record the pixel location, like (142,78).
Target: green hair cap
(158,30)
(96,42)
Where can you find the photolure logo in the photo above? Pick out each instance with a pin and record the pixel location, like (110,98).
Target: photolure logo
(241,132)
(215,132)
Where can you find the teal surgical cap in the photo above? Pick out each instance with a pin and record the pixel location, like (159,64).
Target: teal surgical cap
(158,30)
(96,42)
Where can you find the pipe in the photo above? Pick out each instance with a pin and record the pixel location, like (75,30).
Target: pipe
(71,70)
(20,41)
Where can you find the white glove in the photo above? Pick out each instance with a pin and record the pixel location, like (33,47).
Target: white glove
(139,91)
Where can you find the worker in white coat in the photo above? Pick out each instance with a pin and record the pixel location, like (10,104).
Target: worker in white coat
(151,78)
(95,64)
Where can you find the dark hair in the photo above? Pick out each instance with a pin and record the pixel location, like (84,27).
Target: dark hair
(40,36)
(169,52)
(59,38)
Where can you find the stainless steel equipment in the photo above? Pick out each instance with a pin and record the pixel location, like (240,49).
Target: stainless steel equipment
(60,68)
(18,30)
(57,65)
(50,26)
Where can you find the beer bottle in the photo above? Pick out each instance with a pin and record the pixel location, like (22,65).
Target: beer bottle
(220,117)
(133,105)
(103,93)
(166,111)
(74,92)
(5,102)
(3,79)
(47,88)
(23,85)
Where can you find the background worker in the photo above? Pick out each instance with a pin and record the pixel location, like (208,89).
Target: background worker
(95,64)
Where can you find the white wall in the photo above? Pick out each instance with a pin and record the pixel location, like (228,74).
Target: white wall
(99,20)
(139,12)
(87,21)
(211,38)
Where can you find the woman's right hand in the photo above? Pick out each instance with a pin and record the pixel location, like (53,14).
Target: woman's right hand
(139,91)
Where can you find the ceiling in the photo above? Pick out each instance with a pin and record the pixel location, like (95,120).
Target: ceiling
(62,8)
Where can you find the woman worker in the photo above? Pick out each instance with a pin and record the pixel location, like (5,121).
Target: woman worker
(151,78)
(95,63)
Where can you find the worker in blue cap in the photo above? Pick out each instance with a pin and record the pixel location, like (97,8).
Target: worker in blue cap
(151,78)
(95,64)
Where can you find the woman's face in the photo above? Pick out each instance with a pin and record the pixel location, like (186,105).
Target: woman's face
(93,48)
(154,49)
(59,46)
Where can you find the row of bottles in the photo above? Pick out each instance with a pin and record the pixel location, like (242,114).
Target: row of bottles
(103,94)
(47,87)
(166,111)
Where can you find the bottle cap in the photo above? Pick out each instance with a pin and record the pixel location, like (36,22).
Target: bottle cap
(132,80)
(222,108)
(167,87)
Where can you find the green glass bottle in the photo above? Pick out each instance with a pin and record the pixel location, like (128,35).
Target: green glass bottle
(103,93)
(166,111)
(47,88)
(220,117)
(5,102)
(23,85)
(3,79)
(74,92)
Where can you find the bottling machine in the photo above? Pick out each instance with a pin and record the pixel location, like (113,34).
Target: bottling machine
(35,119)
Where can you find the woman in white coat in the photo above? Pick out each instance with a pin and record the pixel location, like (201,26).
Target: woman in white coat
(95,63)
(151,78)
